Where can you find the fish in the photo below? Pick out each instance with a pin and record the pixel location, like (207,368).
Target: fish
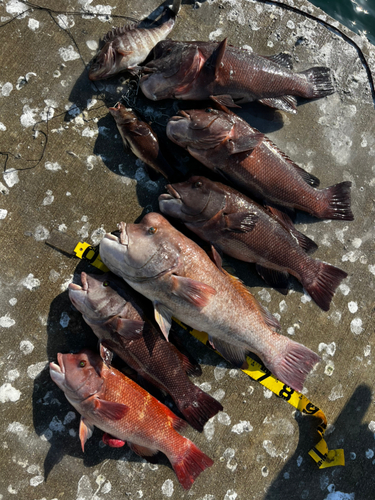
(182,281)
(126,47)
(237,226)
(229,146)
(114,403)
(115,313)
(141,139)
(230,76)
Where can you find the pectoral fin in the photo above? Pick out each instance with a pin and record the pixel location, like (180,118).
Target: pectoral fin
(196,293)
(85,431)
(129,329)
(224,100)
(110,409)
(243,143)
(163,317)
(241,222)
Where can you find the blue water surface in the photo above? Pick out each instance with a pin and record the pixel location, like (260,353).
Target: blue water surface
(358,15)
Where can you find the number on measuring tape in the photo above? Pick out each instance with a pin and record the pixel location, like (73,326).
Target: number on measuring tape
(310,409)
(286,392)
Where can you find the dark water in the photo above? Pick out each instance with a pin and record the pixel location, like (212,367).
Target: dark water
(358,15)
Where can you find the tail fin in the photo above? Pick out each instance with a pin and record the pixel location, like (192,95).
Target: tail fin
(294,364)
(338,202)
(320,82)
(199,408)
(189,463)
(321,284)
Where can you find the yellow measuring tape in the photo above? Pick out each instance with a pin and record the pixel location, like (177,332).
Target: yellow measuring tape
(320,453)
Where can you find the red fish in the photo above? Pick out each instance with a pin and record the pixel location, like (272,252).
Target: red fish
(226,144)
(245,230)
(109,400)
(229,75)
(115,313)
(182,281)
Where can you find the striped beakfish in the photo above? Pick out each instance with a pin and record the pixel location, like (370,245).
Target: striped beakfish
(109,400)
(183,282)
(128,46)
(115,313)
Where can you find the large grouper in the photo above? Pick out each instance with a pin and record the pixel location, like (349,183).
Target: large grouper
(182,281)
(229,75)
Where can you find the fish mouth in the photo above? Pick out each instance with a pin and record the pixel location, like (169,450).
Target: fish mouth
(57,371)
(124,237)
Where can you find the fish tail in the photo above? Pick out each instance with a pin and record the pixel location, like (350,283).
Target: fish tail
(322,282)
(199,408)
(337,202)
(189,463)
(293,364)
(176,7)
(319,81)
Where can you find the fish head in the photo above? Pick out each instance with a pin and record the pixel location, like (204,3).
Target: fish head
(97,298)
(106,63)
(143,251)
(200,128)
(78,375)
(122,115)
(196,200)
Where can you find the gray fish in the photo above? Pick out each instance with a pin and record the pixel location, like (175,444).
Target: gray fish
(128,46)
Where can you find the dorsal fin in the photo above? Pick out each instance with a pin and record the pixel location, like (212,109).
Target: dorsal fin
(268,318)
(220,51)
(283,59)
(115,32)
(306,176)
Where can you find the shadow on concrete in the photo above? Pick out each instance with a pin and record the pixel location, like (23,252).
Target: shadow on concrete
(296,479)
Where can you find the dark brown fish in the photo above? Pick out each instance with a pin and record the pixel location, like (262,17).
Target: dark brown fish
(182,281)
(229,75)
(107,399)
(226,144)
(128,46)
(141,139)
(243,229)
(114,312)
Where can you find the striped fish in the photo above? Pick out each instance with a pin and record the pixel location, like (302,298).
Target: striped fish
(128,46)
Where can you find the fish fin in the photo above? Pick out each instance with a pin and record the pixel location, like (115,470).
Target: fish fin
(119,31)
(241,222)
(320,80)
(267,317)
(106,354)
(306,176)
(232,353)
(282,59)
(224,100)
(244,143)
(321,283)
(111,441)
(304,241)
(176,7)
(195,292)
(293,364)
(85,431)
(163,317)
(337,202)
(198,407)
(285,103)
(220,52)
(189,463)
(277,279)
(123,52)
(142,451)
(216,257)
(188,366)
(110,409)
(128,328)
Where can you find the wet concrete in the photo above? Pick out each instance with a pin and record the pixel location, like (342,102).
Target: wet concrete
(70,173)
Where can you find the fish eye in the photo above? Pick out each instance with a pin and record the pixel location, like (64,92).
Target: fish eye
(82,364)
(106,283)
(152,230)
(209,110)
(198,184)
